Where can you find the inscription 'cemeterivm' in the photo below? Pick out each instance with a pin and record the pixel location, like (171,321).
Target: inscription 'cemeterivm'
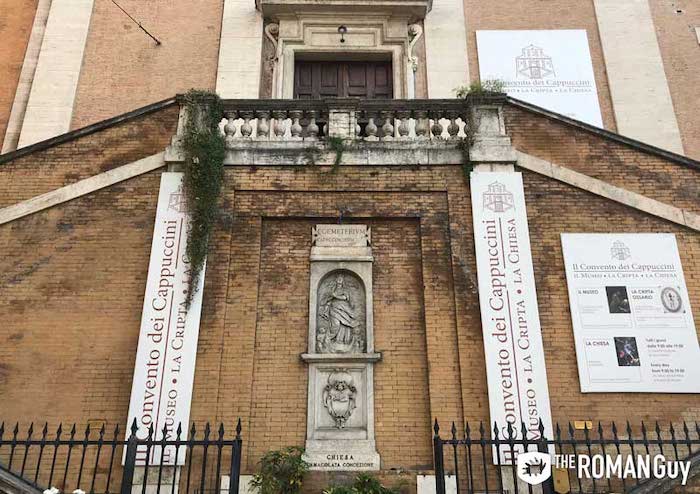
(341,236)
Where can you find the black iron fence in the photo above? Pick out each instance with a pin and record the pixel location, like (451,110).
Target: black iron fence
(476,460)
(102,462)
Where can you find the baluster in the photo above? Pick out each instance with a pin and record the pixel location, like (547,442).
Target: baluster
(387,127)
(436,129)
(371,129)
(280,126)
(246,128)
(312,128)
(263,131)
(453,127)
(422,122)
(404,129)
(296,129)
(230,129)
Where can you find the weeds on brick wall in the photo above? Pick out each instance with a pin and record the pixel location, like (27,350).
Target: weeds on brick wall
(487,87)
(281,472)
(338,145)
(203,147)
(465,146)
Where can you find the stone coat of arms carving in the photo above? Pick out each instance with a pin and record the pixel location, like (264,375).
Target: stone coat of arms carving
(339,396)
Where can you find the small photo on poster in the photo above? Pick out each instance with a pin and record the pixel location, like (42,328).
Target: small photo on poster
(618,301)
(627,351)
(671,300)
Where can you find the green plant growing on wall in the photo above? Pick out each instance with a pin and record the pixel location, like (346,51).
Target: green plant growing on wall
(204,151)
(363,484)
(487,87)
(337,145)
(368,484)
(281,472)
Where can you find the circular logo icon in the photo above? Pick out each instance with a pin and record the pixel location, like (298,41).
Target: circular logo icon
(671,299)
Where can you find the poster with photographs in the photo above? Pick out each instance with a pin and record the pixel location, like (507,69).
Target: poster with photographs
(633,325)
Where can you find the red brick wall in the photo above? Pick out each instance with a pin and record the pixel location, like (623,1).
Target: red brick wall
(15,27)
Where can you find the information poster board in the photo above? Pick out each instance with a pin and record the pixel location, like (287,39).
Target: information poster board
(548,68)
(633,325)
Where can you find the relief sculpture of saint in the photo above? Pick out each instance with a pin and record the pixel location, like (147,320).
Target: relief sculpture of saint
(341,316)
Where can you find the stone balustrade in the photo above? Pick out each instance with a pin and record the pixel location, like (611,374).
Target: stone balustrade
(277,131)
(354,119)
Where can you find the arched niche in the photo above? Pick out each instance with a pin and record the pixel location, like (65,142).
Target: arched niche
(341,313)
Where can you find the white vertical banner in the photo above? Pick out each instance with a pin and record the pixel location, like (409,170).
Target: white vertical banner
(161,392)
(515,366)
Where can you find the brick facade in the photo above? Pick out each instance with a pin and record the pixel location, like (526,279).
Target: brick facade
(124,69)
(73,278)
(15,28)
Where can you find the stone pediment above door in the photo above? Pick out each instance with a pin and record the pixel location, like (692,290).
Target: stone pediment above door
(414,9)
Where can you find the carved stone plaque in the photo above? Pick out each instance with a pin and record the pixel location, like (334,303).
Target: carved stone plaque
(341,236)
(340,323)
(341,356)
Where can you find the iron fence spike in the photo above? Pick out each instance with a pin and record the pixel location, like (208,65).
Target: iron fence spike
(221,430)
(134,427)
(239,428)
(436,428)
(179,430)
(30,431)
(45,430)
(16,429)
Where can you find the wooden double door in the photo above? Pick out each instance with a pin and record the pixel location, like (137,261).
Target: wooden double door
(315,80)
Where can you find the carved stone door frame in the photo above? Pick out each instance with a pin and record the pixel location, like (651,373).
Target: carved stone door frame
(369,37)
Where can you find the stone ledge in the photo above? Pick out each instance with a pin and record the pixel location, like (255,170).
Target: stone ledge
(340,357)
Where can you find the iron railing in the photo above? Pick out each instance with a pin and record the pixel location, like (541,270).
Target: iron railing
(475,456)
(101,462)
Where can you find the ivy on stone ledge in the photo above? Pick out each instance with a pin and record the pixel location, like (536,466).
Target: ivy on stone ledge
(204,151)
